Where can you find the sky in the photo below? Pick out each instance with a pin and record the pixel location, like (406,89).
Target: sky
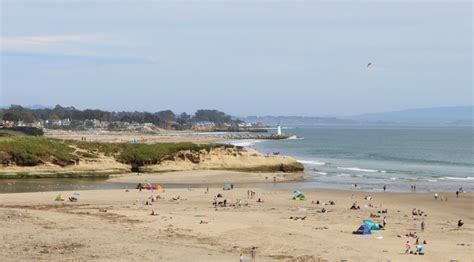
(306,58)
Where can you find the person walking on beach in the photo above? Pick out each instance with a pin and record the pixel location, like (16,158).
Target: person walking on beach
(422,225)
(457,194)
(241,259)
(407,247)
(253,254)
(384,222)
(384,188)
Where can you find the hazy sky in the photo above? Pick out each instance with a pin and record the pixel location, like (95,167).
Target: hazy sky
(242,57)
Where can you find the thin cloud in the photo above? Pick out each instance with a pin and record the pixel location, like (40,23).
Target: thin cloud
(83,48)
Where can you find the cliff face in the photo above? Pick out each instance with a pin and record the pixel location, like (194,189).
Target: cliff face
(230,158)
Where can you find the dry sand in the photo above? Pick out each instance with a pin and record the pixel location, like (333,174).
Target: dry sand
(126,137)
(35,227)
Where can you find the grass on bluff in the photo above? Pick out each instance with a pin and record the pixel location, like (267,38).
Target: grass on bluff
(152,153)
(9,133)
(29,150)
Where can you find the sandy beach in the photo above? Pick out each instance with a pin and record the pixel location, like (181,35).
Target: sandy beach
(142,137)
(106,225)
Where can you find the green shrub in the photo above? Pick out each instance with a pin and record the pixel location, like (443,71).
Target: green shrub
(30,151)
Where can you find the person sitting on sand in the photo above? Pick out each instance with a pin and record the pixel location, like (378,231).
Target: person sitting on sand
(153,213)
(260,200)
(324,210)
(73,199)
(460,223)
(332,203)
(176,198)
(204,222)
(298,218)
(355,206)
(372,215)
(419,250)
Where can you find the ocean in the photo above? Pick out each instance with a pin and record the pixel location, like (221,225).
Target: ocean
(432,158)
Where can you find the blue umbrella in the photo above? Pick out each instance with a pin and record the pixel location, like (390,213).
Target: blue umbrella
(297,192)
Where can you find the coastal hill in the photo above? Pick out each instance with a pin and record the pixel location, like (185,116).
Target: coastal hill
(30,156)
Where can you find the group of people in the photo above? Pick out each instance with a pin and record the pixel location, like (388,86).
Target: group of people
(444,198)
(419,249)
(418,212)
(330,203)
(251,194)
(459,191)
(253,255)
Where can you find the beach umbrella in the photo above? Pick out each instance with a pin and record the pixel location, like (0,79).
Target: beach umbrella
(371,224)
(297,192)
(59,197)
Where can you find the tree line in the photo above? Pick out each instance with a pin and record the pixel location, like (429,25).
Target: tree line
(164,119)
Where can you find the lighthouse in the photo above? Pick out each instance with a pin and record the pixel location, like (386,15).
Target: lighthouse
(279,130)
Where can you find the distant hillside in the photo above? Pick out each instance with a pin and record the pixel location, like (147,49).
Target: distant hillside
(457,115)
(298,120)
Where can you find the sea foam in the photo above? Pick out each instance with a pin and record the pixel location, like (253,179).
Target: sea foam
(243,143)
(361,169)
(312,162)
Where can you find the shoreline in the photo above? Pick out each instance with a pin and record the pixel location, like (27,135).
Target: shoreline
(39,228)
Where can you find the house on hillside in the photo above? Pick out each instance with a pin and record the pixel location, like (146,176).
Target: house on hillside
(203,126)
